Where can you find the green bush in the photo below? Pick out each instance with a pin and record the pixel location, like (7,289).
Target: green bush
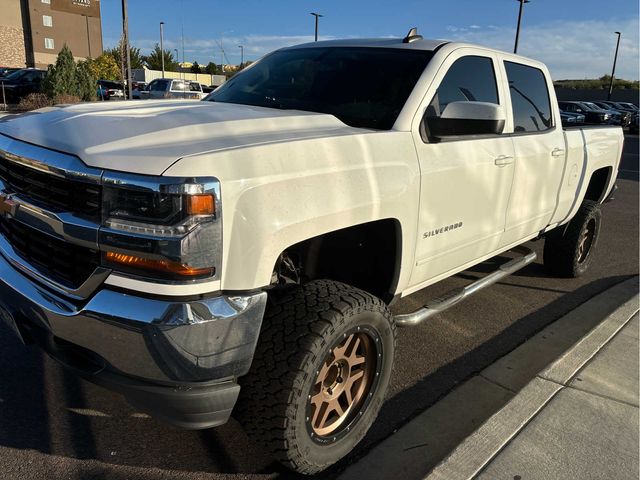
(65,78)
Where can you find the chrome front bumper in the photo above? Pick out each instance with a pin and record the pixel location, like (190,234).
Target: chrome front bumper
(116,338)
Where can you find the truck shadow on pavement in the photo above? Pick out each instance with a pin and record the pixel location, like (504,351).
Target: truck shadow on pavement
(47,410)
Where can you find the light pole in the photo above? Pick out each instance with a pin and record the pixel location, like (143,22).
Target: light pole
(613,70)
(522,2)
(161,46)
(241,47)
(317,15)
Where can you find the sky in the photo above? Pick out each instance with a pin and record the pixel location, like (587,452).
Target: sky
(575,38)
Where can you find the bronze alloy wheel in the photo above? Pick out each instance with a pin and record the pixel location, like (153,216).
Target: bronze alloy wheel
(343,383)
(586,240)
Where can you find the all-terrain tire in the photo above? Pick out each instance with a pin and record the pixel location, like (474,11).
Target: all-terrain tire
(302,329)
(568,250)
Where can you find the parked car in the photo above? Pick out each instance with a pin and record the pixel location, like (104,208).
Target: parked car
(6,71)
(207,89)
(570,119)
(621,117)
(629,108)
(174,88)
(633,126)
(108,90)
(141,93)
(579,118)
(625,106)
(593,116)
(342,186)
(21,83)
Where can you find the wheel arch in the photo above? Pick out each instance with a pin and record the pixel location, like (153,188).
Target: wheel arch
(598,184)
(366,256)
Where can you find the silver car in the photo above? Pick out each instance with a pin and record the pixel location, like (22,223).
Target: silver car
(173,88)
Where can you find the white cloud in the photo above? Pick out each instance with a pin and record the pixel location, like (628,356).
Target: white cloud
(570,49)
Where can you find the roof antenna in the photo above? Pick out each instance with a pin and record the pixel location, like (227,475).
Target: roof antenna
(412,36)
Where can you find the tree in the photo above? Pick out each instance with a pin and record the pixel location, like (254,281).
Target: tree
(196,68)
(66,79)
(61,77)
(105,67)
(86,82)
(212,69)
(154,60)
(137,59)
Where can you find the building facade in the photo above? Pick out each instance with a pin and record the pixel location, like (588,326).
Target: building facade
(32,32)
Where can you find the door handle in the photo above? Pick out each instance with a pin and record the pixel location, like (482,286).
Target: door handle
(503,160)
(557,152)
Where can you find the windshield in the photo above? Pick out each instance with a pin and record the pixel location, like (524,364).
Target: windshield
(16,75)
(363,87)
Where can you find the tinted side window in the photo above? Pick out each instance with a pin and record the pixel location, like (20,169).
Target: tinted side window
(529,98)
(158,85)
(469,79)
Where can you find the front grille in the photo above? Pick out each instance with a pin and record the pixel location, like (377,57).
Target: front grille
(48,190)
(67,264)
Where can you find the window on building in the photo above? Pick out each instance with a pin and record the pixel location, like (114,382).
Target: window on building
(529,98)
(48,43)
(47,21)
(470,79)
(48,2)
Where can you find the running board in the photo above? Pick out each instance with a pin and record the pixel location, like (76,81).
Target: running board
(453,297)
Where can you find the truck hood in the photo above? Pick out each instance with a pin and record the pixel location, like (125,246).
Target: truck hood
(148,136)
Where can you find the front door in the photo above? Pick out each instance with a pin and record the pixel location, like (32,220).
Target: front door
(465,181)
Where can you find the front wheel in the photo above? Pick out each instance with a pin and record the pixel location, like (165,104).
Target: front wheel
(568,250)
(319,375)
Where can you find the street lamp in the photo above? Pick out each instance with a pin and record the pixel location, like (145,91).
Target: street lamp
(317,15)
(613,70)
(241,47)
(161,47)
(522,2)
(178,61)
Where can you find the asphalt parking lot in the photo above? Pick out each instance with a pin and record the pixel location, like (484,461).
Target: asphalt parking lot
(53,425)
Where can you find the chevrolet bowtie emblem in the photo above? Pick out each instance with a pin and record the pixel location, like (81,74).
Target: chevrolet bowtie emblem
(8,206)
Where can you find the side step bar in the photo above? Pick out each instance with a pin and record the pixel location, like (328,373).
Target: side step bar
(453,297)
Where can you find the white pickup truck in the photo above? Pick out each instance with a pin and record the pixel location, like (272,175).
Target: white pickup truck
(243,251)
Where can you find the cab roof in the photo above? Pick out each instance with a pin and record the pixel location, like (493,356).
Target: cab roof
(422,44)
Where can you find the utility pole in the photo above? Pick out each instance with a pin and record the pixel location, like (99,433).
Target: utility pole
(613,70)
(522,2)
(241,47)
(161,47)
(125,28)
(317,15)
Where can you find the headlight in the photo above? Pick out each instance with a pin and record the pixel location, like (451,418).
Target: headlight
(163,228)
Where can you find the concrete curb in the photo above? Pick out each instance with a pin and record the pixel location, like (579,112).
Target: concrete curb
(462,425)
(479,449)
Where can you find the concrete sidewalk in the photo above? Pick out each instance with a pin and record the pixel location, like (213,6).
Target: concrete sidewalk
(563,405)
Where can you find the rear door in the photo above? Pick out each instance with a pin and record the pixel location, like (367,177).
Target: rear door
(465,180)
(539,148)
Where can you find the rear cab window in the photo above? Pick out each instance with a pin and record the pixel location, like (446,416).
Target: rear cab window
(530,101)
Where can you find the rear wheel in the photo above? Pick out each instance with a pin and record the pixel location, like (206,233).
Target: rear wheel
(568,250)
(319,375)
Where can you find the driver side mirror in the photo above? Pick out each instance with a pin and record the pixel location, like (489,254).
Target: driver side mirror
(466,118)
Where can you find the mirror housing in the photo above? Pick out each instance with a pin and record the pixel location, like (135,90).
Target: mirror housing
(466,118)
